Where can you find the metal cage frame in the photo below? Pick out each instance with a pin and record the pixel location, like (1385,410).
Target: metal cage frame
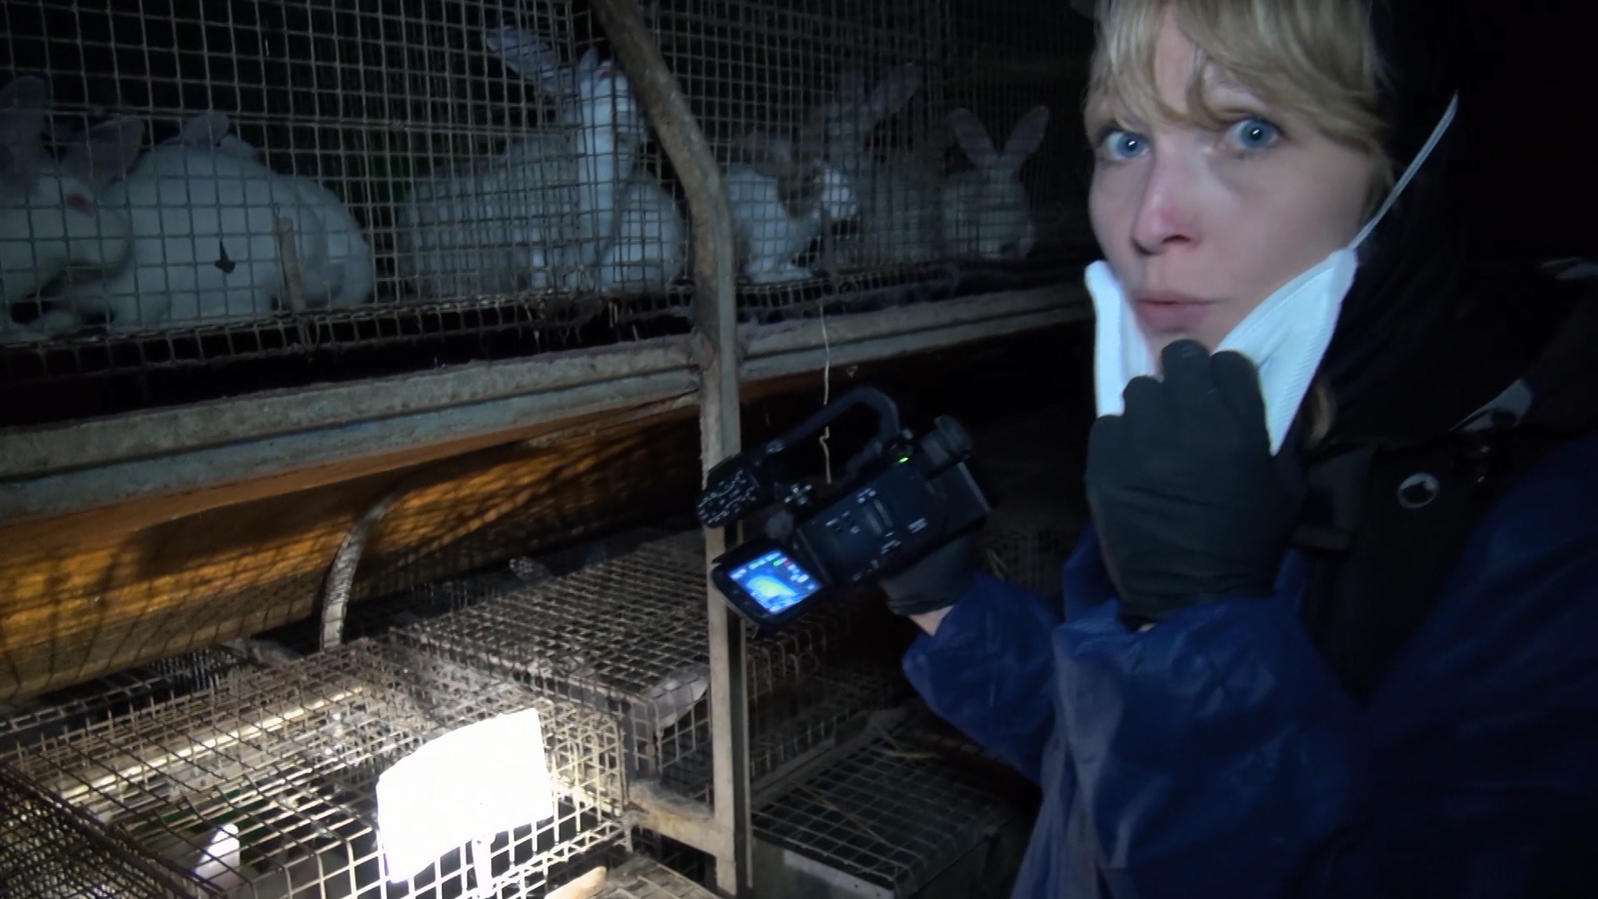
(288,757)
(717,337)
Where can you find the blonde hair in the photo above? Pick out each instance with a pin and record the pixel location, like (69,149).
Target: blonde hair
(1317,58)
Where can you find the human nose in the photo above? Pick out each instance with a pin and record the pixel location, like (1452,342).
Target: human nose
(1167,212)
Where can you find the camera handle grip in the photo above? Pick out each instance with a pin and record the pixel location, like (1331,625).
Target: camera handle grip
(887,419)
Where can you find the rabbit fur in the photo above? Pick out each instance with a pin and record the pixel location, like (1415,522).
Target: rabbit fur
(542,213)
(986,212)
(51,218)
(205,215)
(650,249)
(898,197)
(780,204)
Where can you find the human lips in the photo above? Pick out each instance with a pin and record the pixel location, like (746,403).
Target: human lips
(1170,313)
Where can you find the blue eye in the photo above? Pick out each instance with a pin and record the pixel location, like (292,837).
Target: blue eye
(1254,133)
(1119,144)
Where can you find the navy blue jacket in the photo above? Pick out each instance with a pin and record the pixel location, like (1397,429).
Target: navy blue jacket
(1216,754)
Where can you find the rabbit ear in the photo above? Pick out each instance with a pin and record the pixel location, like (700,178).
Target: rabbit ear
(531,57)
(893,91)
(973,138)
(204,130)
(1026,138)
(105,152)
(235,144)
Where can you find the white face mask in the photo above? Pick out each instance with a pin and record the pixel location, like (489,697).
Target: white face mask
(1286,336)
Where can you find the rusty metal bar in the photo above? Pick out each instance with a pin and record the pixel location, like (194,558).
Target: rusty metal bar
(714,350)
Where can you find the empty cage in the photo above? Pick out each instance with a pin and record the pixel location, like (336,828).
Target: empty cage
(902,810)
(626,636)
(278,767)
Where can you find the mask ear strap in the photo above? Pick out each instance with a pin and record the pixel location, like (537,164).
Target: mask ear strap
(1409,173)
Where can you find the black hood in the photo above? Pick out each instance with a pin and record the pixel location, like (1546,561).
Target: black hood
(1434,325)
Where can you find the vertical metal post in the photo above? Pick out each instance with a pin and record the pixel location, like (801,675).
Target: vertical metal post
(716,354)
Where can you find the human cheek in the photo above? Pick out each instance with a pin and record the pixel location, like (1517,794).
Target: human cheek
(1112,203)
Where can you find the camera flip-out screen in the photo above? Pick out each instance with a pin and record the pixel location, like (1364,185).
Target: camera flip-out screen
(764,583)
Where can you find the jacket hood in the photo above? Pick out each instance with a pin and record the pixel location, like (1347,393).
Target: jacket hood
(1433,327)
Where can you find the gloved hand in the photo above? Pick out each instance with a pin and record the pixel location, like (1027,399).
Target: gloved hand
(1188,502)
(936,581)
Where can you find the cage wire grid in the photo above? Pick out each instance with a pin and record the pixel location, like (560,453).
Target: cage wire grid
(628,635)
(798,719)
(146,685)
(894,811)
(572,492)
(289,756)
(694,864)
(644,878)
(432,183)
(828,80)
(308,229)
(50,848)
(1029,556)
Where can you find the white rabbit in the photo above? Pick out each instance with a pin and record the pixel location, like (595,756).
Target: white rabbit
(51,219)
(206,218)
(542,213)
(650,248)
(780,204)
(340,274)
(986,212)
(898,196)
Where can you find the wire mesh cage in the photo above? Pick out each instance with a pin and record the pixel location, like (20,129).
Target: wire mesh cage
(50,848)
(53,713)
(265,784)
(84,602)
(645,878)
(799,720)
(1030,465)
(264,192)
(789,724)
(628,636)
(679,857)
(233,196)
(851,187)
(905,811)
(575,490)
(1030,556)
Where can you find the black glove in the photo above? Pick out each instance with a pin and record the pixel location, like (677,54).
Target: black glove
(1188,502)
(934,582)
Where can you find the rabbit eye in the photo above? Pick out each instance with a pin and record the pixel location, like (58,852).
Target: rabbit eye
(80,203)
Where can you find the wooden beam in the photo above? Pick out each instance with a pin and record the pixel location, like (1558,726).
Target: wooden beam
(93,593)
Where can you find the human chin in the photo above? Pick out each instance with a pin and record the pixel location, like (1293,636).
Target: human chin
(1219,320)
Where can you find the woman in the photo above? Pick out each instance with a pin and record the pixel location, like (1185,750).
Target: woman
(1332,631)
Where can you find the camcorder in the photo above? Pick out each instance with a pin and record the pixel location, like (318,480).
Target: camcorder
(900,498)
